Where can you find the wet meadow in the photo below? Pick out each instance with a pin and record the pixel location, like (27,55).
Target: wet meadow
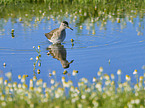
(100,64)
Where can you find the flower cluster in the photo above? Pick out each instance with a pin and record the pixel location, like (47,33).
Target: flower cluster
(101,92)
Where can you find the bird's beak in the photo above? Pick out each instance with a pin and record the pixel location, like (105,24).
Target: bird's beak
(71,61)
(69,27)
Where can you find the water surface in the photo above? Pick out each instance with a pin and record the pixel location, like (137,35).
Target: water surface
(97,40)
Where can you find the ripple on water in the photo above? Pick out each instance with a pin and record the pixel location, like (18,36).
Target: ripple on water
(4,51)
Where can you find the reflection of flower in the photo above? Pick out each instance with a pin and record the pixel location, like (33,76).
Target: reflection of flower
(91,14)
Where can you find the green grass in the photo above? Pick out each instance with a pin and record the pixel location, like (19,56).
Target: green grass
(64,1)
(61,1)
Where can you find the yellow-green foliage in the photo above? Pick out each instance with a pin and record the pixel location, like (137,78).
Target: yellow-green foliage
(89,15)
(102,92)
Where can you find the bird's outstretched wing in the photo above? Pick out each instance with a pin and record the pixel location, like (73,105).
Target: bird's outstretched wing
(50,34)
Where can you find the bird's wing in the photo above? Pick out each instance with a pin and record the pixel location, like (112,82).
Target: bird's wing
(50,34)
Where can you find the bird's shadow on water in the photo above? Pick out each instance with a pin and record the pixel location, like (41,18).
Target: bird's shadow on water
(58,52)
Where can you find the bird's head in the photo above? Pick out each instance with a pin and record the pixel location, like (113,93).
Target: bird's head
(64,25)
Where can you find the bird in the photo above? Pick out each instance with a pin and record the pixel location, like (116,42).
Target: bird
(58,35)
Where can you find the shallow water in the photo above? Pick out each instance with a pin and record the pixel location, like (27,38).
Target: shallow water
(93,47)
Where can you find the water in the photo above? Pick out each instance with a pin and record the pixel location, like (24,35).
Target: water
(94,46)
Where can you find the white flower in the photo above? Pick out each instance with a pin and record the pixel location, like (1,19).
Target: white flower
(10,99)
(94,79)
(9,85)
(135,72)
(72,88)
(136,94)
(88,90)
(38,47)
(132,101)
(120,85)
(14,84)
(101,69)
(19,76)
(118,20)
(99,73)
(57,95)
(84,80)
(63,79)
(31,83)
(44,85)
(70,83)
(53,72)
(65,84)
(23,80)
(39,89)
(106,77)
(137,101)
(127,77)
(5,82)
(37,57)
(101,78)
(80,105)
(4,64)
(52,81)
(83,97)
(74,72)
(20,91)
(9,75)
(95,103)
(107,82)
(141,78)
(129,105)
(31,105)
(81,27)
(31,58)
(34,78)
(19,85)
(73,100)
(2,97)
(3,104)
(119,72)
(99,86)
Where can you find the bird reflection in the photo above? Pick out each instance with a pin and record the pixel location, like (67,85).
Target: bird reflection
(59,52)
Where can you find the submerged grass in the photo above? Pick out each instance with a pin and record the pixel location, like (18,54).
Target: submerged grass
(102,92)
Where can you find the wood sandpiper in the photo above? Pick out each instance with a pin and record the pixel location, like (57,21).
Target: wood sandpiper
(58,35)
